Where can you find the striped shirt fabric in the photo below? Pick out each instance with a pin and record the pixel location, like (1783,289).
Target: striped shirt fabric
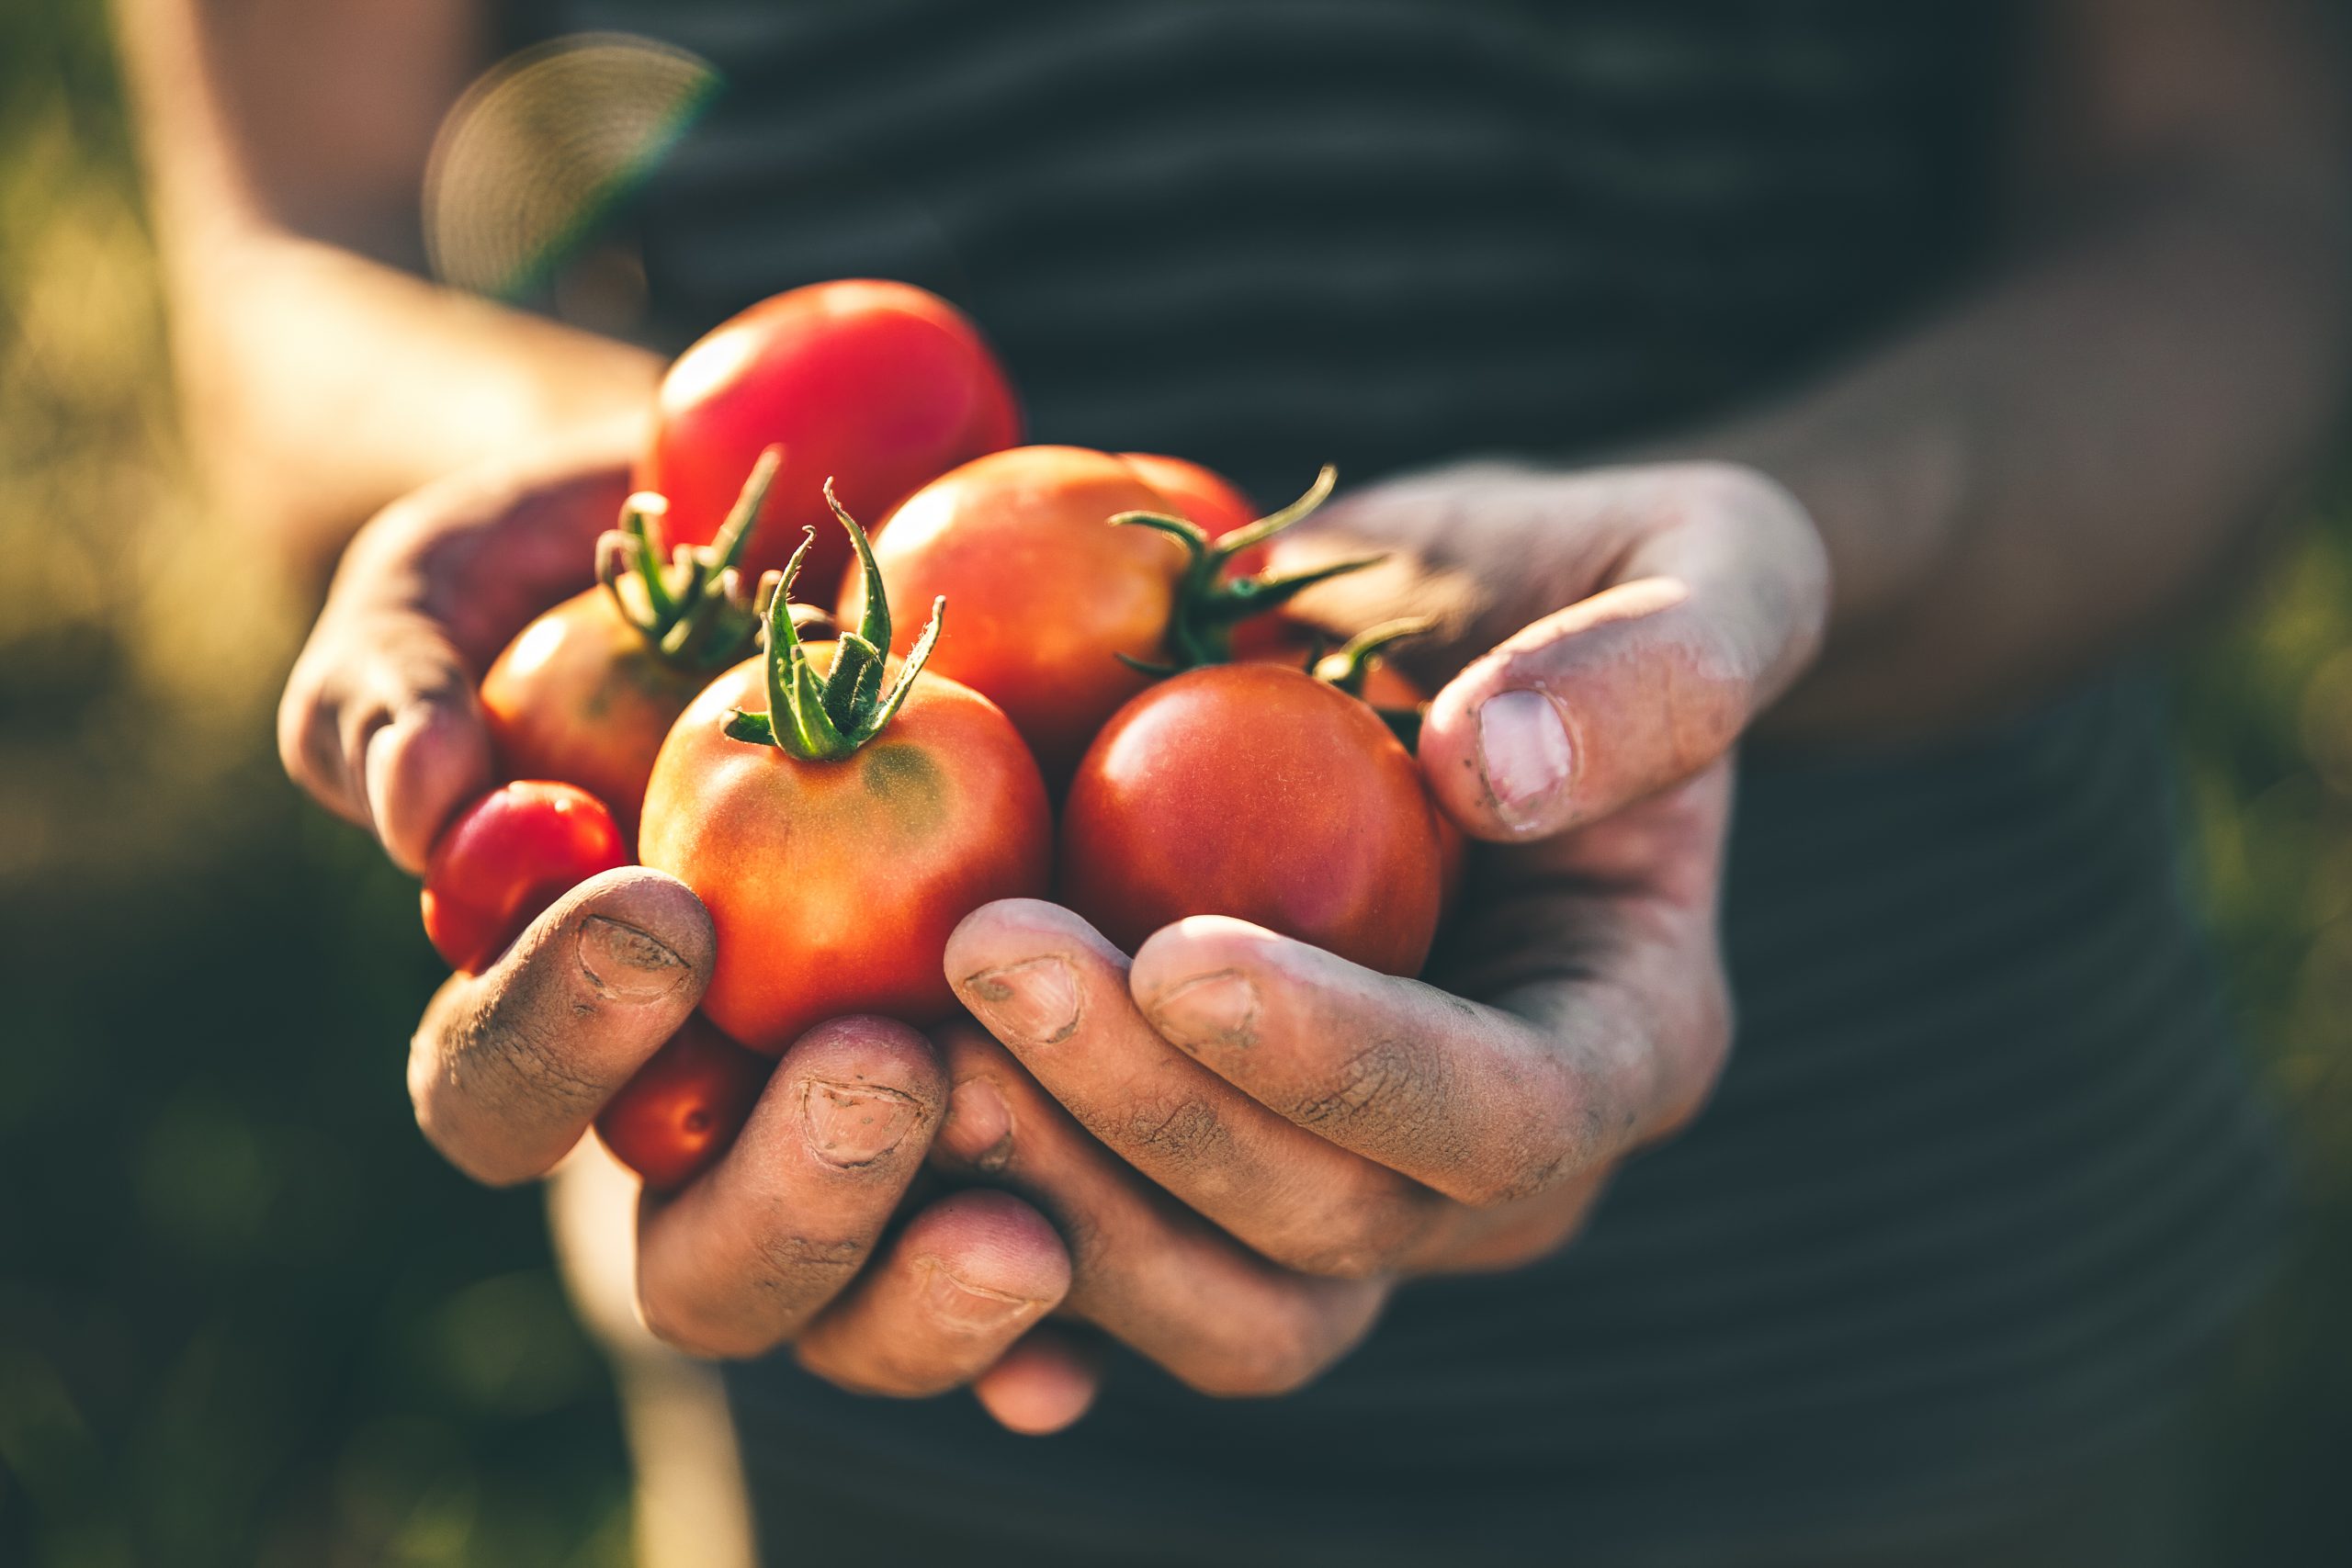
(1985,1174)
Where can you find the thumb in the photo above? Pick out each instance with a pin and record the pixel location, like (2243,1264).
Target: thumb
(1645,682)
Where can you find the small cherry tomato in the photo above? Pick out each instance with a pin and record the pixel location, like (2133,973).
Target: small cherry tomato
(587,692)
(506,858)
(1263,793)
(877,386)
(683,1107)
(839,825)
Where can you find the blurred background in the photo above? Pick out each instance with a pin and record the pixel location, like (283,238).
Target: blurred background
(247,1318)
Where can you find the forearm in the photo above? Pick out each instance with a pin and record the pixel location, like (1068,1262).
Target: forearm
(322,385)
(285,147)
(2055,471)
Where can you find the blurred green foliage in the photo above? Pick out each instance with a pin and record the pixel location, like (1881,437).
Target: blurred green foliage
(246,1318)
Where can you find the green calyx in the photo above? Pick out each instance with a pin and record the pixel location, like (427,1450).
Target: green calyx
(824,718)
(1348,667)
(690,608)
(1200,630)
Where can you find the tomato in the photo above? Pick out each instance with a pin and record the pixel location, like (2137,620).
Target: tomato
(837,831)
(878,386)
(1202,494)
(1024,533)
(683,1107)
(1259,792)
(1067,600)
(587,692)
(506,858)
(1358,669)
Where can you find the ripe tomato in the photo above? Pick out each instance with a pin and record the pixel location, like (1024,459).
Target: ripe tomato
(683,1107)
(1259,792)
(1022,536)
(878,386)
(587,692)
(1358,669)
(1067,600)
(1202,494)
(507,857)
(837,833)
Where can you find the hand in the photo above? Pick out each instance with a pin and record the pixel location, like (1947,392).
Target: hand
(1247,1141)
(784,1240)
(1599,634)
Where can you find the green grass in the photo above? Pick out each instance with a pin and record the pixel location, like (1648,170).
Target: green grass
(246,1318)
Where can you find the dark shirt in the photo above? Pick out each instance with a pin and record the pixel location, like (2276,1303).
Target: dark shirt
(1984,1172)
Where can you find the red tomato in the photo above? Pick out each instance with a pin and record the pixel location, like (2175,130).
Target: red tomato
(1262,793)
(507,857)
(1054,595)
(878,386)
(581,697)
(1389,691)
(838,824)
(587,692)
(1202,494)
(683,1107)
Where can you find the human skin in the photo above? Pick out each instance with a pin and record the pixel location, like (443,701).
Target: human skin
(2053,470)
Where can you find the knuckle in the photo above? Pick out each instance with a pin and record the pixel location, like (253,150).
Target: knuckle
(1261,1356)
(1359,1236)
(683,1328)
(1177,1130)
(1379,1079)
(798,1273)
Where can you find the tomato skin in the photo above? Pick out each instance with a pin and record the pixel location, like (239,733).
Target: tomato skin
(1203,496)
(833,885)
(878,386)
(1259,792)
(504,858)
(672,1120)
(1051,595)
(580,695)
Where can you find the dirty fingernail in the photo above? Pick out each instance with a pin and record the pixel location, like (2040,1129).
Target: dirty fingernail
(854,1125)
(1209,1009)
(963,1304)
(627,964)
(980,1125)
(1035,1001)
(1523,754)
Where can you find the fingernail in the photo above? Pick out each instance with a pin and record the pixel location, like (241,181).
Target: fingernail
(1035,1000)
(966,1305)
(626,963)
(1209,1009)
(1523,752)
(980,1125)
(853,1124)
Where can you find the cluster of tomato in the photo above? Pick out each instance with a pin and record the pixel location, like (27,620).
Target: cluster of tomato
(1073,720)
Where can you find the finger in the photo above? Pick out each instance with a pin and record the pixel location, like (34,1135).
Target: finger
(1055,993)
(509,1066)
(1147,1270)
(1484,1105)
(379,721)
(1643,683)
(1043,1383)
(753,1249)
(965,1278)
(380,725)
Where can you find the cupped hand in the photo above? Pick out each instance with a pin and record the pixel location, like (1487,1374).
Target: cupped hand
(784,1240)
(1248,1141)
(809,1231)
